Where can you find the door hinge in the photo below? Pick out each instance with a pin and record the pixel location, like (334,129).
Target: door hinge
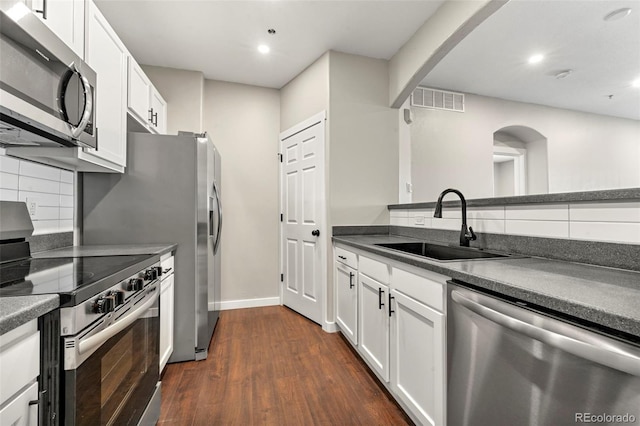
(281,278)
(281,217)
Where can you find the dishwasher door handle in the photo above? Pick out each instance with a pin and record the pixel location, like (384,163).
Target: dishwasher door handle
(599,350)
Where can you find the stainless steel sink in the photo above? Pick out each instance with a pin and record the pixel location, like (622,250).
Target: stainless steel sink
(442,252)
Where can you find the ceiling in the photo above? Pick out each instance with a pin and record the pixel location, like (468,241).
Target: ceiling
(604,57)
(220,38)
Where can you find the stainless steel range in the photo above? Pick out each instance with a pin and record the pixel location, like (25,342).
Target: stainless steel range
(101,347)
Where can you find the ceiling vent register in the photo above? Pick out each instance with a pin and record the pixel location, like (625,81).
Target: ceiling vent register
(437,99)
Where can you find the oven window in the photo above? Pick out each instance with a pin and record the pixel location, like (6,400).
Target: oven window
(114,385)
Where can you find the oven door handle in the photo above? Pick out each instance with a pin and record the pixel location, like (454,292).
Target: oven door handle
(104,335)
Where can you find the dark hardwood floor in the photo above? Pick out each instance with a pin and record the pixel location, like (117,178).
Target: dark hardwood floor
(271,366)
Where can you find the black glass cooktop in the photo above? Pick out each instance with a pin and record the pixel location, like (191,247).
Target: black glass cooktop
(75,279)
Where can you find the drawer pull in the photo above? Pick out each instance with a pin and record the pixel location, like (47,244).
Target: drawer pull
(342,257)
(351,274)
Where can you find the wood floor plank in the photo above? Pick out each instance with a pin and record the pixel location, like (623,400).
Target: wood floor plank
(271,366)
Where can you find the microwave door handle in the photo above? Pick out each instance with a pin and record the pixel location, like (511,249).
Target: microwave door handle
(76,131)
(598,350)
(216,245)
(97,339)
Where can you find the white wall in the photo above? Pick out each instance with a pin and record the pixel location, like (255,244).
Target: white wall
(244,124)
(404,155)
(183,90)
(49,192)
(585,151)
(363,130)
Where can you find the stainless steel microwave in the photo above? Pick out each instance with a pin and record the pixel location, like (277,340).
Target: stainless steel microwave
(47,93)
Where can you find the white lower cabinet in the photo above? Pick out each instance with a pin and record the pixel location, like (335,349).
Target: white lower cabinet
(19,370)
(347,301)
(374,324)
(417,358)
(401,332)
(166,312)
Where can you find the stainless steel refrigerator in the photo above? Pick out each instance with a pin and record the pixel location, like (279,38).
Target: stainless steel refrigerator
(170,192)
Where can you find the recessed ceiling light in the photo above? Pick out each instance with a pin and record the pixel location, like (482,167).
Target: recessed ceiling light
(636,83)
(536,58)
(617,14)
(264,49)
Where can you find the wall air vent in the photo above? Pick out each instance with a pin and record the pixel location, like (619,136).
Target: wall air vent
(437,99)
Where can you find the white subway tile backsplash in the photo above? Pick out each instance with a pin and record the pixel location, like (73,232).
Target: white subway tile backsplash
(66,213)
(605,212)
(38,185)
(45,226)
(606,231)
(66,201)
(538,212)
(46,200)
(446,223)
(39,171)
(9,181)
(66,176)
(487,225)
(9,165)
(66,188)
(48,192)
(492,213)
(8,194)
(538,228)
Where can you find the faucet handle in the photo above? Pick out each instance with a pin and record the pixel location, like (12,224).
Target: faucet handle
(472,235)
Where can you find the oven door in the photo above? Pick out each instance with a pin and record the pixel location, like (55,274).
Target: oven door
(111,370)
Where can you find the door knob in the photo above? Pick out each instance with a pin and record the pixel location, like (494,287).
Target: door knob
(315,232)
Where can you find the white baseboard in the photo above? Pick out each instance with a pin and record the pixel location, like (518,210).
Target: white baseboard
(330,327)
(247,303)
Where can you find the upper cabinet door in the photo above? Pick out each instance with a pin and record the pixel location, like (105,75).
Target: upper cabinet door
(158,112)
(65,18)
(139,96)
(107,55)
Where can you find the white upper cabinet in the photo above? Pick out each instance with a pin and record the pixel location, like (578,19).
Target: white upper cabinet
(107,55)
(145,103)
(63,17)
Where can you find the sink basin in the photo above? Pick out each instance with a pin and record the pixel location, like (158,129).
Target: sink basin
(441,252)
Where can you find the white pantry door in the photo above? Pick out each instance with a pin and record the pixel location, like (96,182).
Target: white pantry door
(303,231)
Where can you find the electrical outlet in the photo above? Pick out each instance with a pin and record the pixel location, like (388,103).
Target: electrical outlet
(409,187)
(32,206)
(419,220)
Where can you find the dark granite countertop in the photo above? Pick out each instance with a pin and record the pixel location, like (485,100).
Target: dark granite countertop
(604,296)
(18,310)
(107,250)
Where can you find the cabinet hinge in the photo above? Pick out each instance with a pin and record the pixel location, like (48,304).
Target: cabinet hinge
(281,278)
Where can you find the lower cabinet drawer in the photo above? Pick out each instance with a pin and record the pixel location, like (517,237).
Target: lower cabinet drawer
(19,361)
(19,412)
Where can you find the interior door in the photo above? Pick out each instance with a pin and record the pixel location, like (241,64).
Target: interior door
(304,234)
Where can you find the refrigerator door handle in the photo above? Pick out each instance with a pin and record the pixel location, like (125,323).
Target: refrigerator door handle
(216,244)
(597,350)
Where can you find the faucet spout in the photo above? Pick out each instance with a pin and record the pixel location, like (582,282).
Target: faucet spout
(466,234)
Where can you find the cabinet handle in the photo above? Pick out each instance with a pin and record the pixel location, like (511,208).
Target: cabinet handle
(342,257)
(154,120)
(380,302)
(390,299)
(351,274)
(150,119)
(44,9)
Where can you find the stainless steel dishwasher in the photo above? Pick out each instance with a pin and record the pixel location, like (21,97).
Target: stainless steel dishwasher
(512,365)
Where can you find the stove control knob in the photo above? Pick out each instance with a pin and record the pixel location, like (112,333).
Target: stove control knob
(118,297)
(135,284)
(151,274)
(103,305)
